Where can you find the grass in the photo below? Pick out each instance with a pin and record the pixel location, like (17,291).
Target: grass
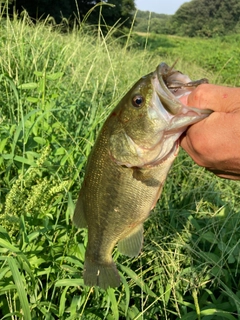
(219,56)
(56,90)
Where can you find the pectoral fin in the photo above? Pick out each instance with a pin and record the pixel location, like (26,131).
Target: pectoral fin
(79,217)
(146,177)
(132,244)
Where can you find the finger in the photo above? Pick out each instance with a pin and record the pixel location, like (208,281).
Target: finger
(214,97)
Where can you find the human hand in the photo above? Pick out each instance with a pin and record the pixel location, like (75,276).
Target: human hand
(214,142)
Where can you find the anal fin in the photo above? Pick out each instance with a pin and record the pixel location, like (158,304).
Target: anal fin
(79,217)
(132,244)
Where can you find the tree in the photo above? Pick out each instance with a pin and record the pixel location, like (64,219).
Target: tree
(206,18)
(122,11)
(152,22)
(40,9)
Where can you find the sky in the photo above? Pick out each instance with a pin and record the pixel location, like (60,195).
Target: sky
(159,6)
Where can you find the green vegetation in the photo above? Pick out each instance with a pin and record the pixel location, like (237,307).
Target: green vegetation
(196,18)
(152,22)
(217,56)
(113,12)
(56,90)
(206,18)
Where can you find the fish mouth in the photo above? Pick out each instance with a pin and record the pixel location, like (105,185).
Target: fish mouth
(172,85)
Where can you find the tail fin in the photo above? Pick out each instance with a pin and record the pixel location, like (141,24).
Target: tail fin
(102,275)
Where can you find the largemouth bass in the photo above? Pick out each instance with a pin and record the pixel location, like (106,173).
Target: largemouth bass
(127,168)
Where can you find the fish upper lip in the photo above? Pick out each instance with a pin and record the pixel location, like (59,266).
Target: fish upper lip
(171,103)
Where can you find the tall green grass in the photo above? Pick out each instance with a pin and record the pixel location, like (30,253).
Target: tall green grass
(56,90)
(218,56)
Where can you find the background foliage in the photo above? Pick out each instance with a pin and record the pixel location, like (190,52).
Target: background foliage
(202,18)
(152,22)
(206,18)
(196,18)
(113,12)
(56,91)
(222,62)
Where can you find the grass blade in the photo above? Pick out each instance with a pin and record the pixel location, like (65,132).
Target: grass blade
(114,304)
(20,288)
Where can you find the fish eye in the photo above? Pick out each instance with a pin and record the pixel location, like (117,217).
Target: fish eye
(138,101)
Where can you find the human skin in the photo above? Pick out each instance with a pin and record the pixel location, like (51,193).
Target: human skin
(214,142)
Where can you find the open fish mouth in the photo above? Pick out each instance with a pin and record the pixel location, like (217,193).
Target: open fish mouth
(174,84)
(174,117)
(177,82)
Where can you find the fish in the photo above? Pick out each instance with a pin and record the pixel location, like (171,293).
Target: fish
(127,168)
